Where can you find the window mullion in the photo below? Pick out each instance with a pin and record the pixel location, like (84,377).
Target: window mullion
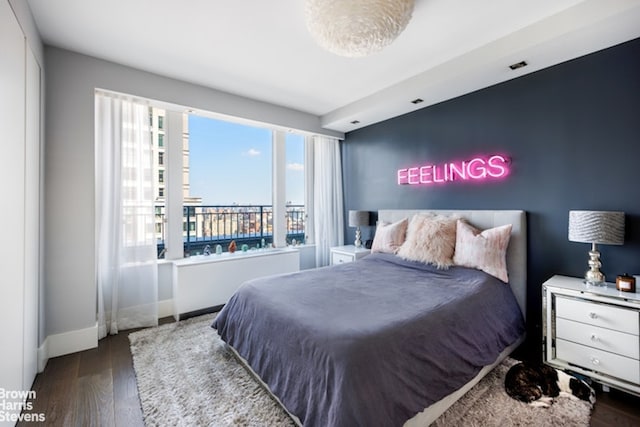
(173,184)
(279,189)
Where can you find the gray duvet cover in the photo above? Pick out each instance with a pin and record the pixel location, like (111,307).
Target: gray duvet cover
(369,343)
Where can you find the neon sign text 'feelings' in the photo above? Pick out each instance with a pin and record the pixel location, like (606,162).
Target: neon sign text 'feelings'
(476,169)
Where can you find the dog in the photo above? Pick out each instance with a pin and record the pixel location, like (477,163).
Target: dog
(538,384)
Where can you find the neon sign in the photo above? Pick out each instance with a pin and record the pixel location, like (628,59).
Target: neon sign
(476,169)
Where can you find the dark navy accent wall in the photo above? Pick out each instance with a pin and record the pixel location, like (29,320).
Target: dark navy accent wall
(572,132)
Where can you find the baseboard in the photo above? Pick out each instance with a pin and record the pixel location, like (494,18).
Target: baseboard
(82,339)
(165,308)
(71,342)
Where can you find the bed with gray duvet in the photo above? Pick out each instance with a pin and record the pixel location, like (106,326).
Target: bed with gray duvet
(372,342)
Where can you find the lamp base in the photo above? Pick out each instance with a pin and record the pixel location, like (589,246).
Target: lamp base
(358,242)
(594,276)
(591,281)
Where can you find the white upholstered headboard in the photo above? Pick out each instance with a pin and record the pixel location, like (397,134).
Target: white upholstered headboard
(483,219)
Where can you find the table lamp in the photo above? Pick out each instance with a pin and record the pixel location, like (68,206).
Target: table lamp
(358,219)
(596,227)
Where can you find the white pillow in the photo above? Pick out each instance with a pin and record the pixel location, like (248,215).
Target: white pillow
(430,239)
(486,250)
(389,237)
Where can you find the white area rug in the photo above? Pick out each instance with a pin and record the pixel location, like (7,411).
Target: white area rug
(487,404)
(186,377)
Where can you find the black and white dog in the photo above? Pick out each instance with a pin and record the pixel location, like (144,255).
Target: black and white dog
(539,384)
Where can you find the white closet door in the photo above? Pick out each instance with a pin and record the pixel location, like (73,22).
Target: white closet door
(12,152)
(32,220)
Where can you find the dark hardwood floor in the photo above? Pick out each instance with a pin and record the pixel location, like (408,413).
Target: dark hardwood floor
(616,409)
(97,387)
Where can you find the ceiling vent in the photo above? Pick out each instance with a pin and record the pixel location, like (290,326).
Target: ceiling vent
(518,65)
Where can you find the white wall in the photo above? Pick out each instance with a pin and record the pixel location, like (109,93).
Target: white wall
(34,45)
(70,243)
(28,26)
(32,218)
(20,181)
(12,191)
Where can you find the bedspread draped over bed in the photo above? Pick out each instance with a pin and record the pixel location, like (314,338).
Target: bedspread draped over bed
(372,342)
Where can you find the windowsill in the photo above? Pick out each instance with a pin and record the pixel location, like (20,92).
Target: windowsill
(227,256)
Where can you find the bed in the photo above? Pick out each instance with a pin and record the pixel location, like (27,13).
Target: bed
(384,340)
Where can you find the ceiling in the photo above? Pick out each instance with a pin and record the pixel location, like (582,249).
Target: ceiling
(262,50)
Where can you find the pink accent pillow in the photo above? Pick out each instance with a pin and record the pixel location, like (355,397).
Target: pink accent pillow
(430,239)
(389,237)
(486,250)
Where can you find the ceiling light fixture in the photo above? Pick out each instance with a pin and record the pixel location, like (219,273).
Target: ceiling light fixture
(356,28)
(417,101)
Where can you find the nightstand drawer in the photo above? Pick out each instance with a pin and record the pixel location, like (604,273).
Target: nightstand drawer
(602,315)
(604,339)
(337,258)
(599,361)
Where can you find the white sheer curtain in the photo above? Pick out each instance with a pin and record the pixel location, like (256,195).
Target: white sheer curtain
(127,273)
(327,197)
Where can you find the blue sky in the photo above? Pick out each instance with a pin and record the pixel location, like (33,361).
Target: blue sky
(231,163)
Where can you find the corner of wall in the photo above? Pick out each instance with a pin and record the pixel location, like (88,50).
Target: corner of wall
(66,343)
(43,355)
(307,256)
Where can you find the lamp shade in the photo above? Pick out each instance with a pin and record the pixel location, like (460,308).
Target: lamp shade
(601,227)
(358,218)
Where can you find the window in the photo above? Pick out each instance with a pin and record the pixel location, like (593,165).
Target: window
(229,170)
(160,122)
(227,184)
(229,163)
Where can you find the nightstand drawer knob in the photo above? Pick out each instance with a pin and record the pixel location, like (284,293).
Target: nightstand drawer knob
(595,361)
(593,315)
(594,337)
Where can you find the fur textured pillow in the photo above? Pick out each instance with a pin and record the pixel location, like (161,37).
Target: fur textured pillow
(486,250)
(430,239)
(389,237)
